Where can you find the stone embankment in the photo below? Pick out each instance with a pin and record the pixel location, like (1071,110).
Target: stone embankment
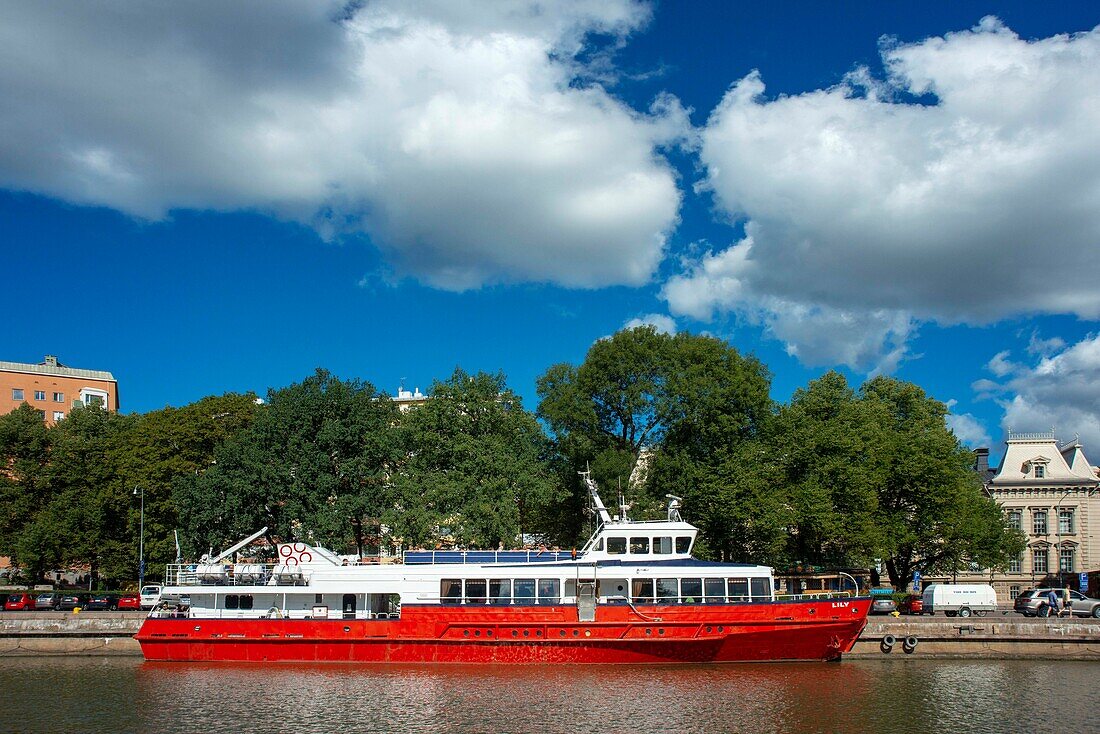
(998,636)
(58,633)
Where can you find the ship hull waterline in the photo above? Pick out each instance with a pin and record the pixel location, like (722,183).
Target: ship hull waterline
(817,631)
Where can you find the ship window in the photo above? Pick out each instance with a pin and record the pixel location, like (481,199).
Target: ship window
(524,590)
(599,545)
(232,601)
(500,591)
(639,545)
(475,591)
(683,545)
(450,591)
(715,591)
(667,591)
(739,589)
(642,590)
(691,590)
(761,588)
(246,601)
(571,587)
(662,545)
(549,591)
(318,599)
(616,546)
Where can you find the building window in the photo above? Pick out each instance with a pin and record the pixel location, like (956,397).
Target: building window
(1014,519)
(1065,560)
(58,415)
(17,393)
(1040,471)
(59,397)
(1013,592)
(1038,522)
(1015,565)
(1038,560)
(1065,521)
(39,394)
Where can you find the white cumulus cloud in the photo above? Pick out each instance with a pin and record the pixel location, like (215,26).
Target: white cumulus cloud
(962,188)
(466,139)
(1060,391)
(967,428)
(663,323)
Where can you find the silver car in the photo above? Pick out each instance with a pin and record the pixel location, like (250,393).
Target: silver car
(1034,603)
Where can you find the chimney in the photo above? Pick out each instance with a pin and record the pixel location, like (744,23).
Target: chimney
(51,360)
(981,462)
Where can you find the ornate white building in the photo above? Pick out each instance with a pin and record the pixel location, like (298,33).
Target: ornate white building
(1051,493)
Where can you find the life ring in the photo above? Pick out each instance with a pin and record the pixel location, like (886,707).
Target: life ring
(292,561)
(274,613)
(306,556)
(298,549)
(285,550)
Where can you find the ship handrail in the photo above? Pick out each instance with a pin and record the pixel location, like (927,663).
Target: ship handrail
(811,595)
(239,574)
(462,557)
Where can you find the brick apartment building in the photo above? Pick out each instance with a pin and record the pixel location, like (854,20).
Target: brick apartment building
(53,389)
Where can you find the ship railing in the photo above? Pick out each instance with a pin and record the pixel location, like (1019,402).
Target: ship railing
(814,596)
(238,574)
(420,557)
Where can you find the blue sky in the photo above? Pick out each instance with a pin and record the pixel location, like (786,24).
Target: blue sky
(222,197)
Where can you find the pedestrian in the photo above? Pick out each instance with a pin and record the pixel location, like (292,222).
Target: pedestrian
(1052,600)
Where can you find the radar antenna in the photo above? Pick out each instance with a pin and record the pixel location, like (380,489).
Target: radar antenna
(674,505)
(594,492)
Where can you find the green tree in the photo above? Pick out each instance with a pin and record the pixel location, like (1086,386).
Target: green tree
(931,507)
(25,445)
(477,467)
(681,401)
(313,464)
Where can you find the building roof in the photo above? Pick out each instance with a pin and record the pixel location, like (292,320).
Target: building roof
(52,367)
(1065,465)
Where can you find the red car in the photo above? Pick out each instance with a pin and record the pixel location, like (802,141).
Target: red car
(129,601)
(18,602)
(912,604)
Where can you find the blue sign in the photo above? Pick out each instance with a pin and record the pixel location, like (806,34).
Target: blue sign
(916,581)
(1084,583)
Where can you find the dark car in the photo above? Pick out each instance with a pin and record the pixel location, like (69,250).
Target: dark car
(912,604)
(69,602)
(19,602)
(102,602)
(129,601)
(47,602)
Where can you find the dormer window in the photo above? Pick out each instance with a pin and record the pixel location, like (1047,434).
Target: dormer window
(1036,468)
(1040,471)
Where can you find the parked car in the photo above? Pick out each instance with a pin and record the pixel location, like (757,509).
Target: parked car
(19,602)
(960,599)
(1034,603)
(102,602)
(882,601)
(47,602)
(129,601)
(150,595)
(68,602)
(912,604)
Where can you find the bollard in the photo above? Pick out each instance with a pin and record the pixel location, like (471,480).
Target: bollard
(887,644)
(909,644)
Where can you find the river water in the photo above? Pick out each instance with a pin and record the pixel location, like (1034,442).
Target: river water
(90,695)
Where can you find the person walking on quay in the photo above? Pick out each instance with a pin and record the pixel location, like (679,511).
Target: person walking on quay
(1052,600)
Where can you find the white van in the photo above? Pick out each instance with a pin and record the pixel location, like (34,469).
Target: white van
(959,599)
(150,595)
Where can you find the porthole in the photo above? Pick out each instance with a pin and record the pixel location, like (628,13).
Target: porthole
(710,629)
(527,633)
(648,631)
(721,628)
(576,632)
(477,633)
(660,630)
(347,629)
(813,611)
(488,633)
(562,633)
(515,634)
(465,633)
(538,633)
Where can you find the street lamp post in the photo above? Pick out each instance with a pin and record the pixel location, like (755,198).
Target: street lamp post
(141,539)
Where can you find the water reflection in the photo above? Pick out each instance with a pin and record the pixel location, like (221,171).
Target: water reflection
(104,695)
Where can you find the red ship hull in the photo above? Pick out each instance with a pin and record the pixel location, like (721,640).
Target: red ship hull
(803,630)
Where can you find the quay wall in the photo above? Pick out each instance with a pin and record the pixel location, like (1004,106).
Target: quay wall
(997,637)
(1003,637)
